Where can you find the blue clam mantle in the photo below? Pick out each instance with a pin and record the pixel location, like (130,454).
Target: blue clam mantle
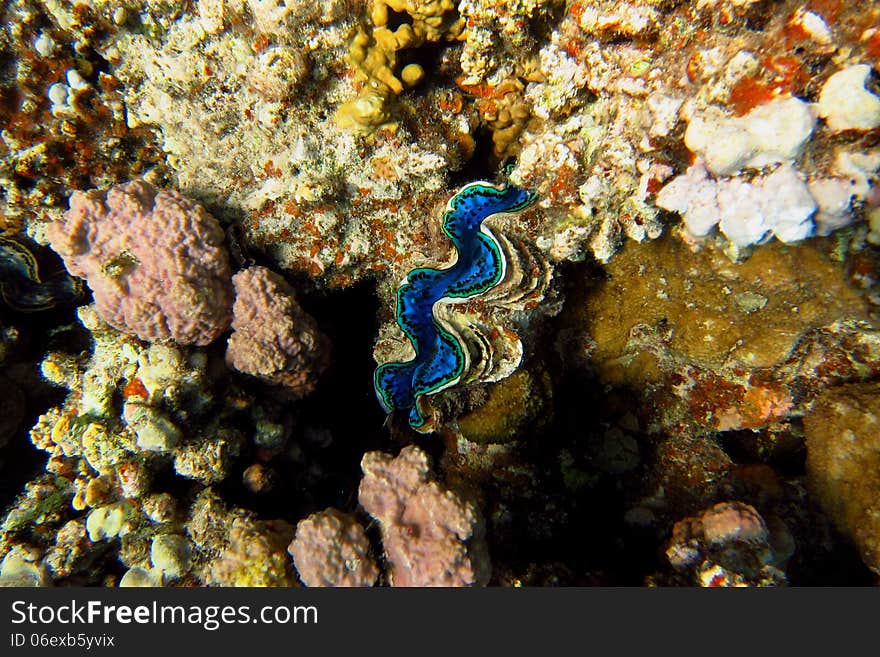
(441,359)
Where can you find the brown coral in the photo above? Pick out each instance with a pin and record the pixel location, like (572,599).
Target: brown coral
(513,405)
(718,344)
(843,463)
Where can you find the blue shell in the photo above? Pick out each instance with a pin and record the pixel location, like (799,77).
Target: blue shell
(480,265)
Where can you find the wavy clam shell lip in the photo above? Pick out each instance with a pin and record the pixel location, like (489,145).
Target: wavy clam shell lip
(457,321)
(24,288)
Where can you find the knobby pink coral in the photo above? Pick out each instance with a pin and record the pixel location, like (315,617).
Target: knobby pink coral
(154,260)
(432,536)
(273,338)
(331,549)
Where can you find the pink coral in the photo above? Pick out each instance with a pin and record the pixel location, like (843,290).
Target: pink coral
(274,339)
(331,549)
(728,544)
(431,536)
(733,521)
(154,260)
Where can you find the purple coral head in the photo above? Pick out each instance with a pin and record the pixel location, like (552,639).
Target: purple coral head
(432,536)
(273,338)
(154,259)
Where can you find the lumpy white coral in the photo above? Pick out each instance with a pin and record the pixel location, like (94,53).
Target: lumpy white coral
(746,211)
(772,133)
(846,104)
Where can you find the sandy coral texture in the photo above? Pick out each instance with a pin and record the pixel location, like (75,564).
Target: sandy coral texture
(843,463)
(331,549)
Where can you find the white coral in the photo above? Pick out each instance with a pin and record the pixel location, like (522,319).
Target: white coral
(769,134)
(846,104)
(746,211)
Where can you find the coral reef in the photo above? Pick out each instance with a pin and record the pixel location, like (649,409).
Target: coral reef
(254,556)
(512,407)
(133,410)
(153,259)
(779,203)
(777,131)
(431,536)
(308,193)
(769,134)
(747,212)
(376,53)
(645,351)
(273,338)
(62,112)
(727,545)
(721,345)
(18,568)
(846,104)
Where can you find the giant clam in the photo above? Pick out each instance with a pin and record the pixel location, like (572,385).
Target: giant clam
(25,288)
(457,322)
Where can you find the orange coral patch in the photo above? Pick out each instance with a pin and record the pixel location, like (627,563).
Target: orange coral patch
(827,9)
(872,46)
(270,169)
(135,388)
(748,94)
(478,90)
(260,43)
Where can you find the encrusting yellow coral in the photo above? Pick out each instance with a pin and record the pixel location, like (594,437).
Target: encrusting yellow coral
(512,405)
(374,55)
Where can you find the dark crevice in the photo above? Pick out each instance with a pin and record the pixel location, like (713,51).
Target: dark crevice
(333,427)
(396,19)
(55,329)
(482,165)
